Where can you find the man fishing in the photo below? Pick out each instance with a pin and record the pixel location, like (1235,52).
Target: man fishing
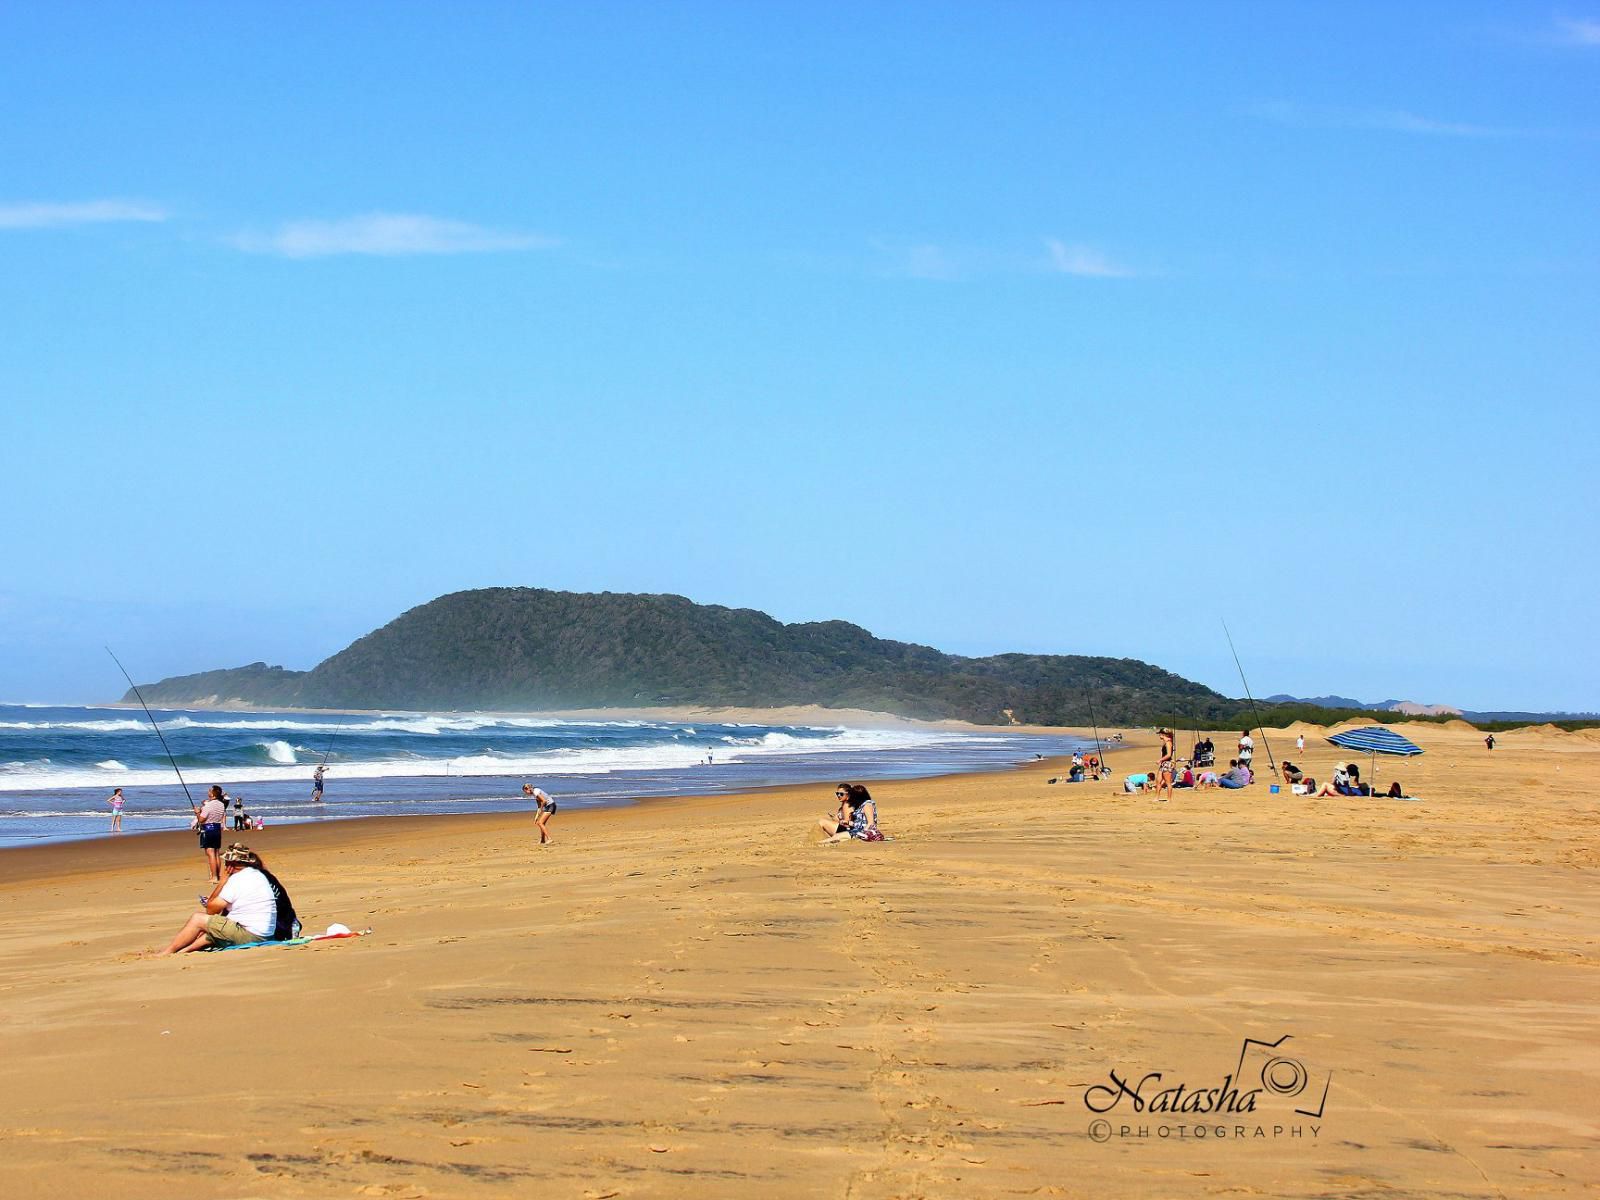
(316,782)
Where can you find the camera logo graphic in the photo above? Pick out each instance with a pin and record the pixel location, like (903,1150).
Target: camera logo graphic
(1281,1075)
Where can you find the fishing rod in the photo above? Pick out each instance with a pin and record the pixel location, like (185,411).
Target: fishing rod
(338,727)
(1249,697)
(1099,754)
(154,725)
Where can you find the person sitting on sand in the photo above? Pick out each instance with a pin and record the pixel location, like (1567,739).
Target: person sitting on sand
(1186,780)
(837,827)
(242,908)
(1236,776)
(1339,785)
(863,814)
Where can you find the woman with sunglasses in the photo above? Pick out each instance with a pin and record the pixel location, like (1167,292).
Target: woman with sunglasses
(837,827)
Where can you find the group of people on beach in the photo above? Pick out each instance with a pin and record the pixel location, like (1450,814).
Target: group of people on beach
(1173,773)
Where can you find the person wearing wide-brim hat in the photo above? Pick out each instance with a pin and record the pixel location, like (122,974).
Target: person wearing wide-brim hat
(241,908)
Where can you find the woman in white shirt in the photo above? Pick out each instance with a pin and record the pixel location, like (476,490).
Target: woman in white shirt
(241,909)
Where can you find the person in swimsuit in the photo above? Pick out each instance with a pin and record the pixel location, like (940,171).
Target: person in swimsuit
(116,802)
(547,809)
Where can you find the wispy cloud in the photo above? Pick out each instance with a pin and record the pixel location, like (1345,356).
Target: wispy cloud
(1389,120)
(1578,32)
(83,212)
(387,234)
(1067,258)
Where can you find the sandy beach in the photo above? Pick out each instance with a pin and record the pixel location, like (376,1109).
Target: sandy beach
(691,998)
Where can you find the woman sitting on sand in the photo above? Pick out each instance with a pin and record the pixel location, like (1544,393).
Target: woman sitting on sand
(863,813)
(1339,785)
(242,908)
(837,826)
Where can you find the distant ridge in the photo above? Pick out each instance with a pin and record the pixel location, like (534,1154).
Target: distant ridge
(532,649)
(1414,709)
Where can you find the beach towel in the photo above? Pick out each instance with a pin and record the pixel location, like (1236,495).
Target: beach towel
(299,941)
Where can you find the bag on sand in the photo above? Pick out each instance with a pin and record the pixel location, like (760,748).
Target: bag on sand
(872,835)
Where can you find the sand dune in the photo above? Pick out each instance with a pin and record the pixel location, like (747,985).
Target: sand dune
(691,999)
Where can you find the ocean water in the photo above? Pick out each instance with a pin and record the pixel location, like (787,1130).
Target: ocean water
(59,763)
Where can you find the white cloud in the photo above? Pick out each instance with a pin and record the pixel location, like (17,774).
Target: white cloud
(387,234)
(1084,261)
(84,212)
(1391,120)
(1580,32)
(929,262)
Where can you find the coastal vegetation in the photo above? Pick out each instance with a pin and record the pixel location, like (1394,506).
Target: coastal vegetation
(531,648)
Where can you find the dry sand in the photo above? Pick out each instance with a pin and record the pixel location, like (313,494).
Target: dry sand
(693,999)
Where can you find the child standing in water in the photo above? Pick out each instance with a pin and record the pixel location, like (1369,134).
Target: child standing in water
(116,802)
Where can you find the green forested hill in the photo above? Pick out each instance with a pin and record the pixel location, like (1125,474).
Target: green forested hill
(527,648)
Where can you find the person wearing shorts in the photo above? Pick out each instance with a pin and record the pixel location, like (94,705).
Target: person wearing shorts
(547,809)
(241,909)
(116,801)
(208,820)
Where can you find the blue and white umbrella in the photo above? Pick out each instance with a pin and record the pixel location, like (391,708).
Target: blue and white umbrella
(1375,739)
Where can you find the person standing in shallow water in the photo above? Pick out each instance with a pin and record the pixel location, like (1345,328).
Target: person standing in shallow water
(316,782)
(116,801)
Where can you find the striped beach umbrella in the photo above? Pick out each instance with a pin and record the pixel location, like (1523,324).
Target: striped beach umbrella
(1375,739)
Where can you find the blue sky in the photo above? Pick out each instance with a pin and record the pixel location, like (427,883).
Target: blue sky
(1047,327)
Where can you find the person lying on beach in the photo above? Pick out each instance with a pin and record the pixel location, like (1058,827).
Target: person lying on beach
(241,909)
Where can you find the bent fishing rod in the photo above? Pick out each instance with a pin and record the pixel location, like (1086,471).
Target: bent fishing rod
(156,726)
(1254,711)
(1099,754)
(338,728)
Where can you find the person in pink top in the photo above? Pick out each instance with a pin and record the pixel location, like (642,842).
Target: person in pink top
(116,801)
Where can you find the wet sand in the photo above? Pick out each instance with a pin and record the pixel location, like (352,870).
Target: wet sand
(691,998)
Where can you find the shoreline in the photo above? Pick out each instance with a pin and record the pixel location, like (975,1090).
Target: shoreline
(696,999)
(106,852)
